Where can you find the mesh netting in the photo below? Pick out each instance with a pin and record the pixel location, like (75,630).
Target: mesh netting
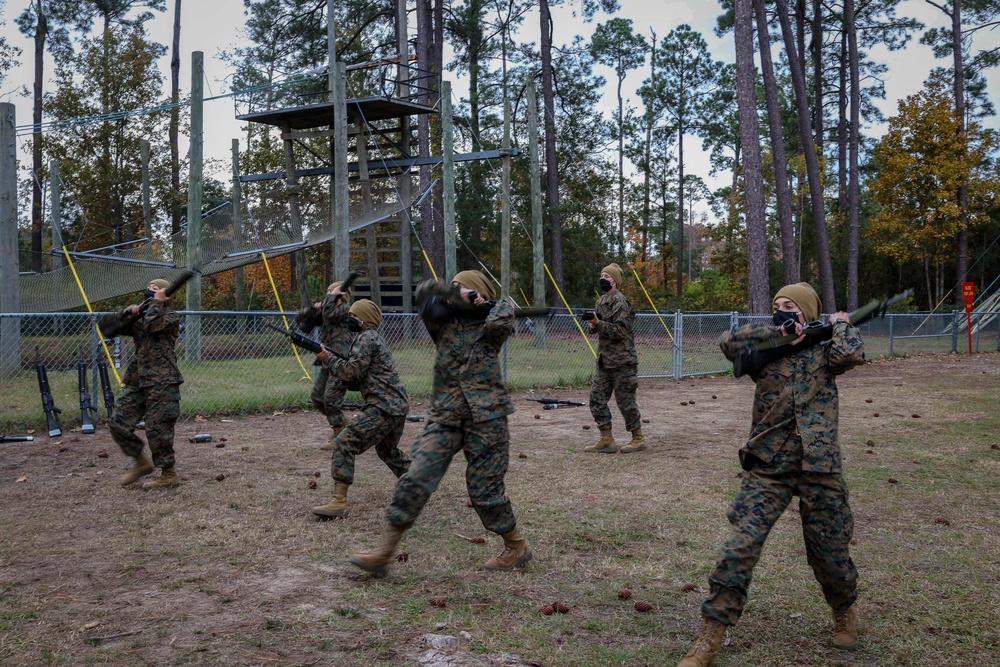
(224,247)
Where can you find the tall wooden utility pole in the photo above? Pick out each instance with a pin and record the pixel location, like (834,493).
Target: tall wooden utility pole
(192,323)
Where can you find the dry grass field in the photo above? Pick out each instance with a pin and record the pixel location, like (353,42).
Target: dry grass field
(232,569)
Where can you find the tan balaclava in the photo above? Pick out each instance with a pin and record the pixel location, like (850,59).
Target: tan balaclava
(805,298)
(347,292)
(368,312)
(475,280)
(615,272)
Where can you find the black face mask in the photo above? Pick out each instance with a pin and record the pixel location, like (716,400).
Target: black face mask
(148,295)
(785,319)
(353,325)
(605,285)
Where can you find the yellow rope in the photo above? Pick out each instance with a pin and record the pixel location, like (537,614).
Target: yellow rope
(100,336)
(305,373)
(653,305)
(575,320)
(429,265)
(526,299)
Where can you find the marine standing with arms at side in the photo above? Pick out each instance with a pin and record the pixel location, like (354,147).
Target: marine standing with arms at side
(468,414)
(152,388)
(792,451)
(369,366)
(331,316)
(617,368)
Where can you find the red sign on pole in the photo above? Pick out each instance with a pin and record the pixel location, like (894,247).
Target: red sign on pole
(969,294)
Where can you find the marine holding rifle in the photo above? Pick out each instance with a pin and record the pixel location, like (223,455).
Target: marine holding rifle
(617,371)
(792,451)
(468,414)
(369,366)
(331,316)
(152,386)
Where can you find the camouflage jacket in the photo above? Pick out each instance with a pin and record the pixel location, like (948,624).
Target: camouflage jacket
(468,382)
(371,368)
(331,318)
(798,394)
(615,331)
(155,335)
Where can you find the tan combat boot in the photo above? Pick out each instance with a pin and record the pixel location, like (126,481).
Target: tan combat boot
(606,445)
(706,647)
(328,445)
(142,466)
(377,561)
(637,445)
(515,554)
(845,629)
(167,480)
(338,507)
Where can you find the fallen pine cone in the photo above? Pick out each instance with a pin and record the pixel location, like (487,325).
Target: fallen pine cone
(439,602)
(684,402)
(402,557)
(537,416)
(317,473)
(220,445)
(893,480)
(943,521)
(687,588)
(642,607)
(219,477)
(560,607)
(645,421)
(312,484)
(875,415)
(868,400)
(547,610)
(586,427)
(870,443)
(624,594)
(915,415)
(522,455)
(994,446)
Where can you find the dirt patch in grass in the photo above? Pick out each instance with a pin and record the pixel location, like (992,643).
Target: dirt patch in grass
(232,569)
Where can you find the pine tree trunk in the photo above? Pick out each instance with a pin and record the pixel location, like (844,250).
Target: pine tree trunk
(551,162)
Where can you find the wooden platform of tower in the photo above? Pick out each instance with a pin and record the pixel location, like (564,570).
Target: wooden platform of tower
(381,252)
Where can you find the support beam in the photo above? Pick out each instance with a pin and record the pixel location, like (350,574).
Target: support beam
(10,283)
(538,248)
(341,193)
(448,177)
(505,198)
(192,323)
(55,208)
(238,278)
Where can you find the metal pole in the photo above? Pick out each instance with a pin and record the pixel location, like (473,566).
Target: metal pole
(448,176)
(341,207)
(505,198)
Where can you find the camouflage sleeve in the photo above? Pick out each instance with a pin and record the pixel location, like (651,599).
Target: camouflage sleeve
(308,318)
(734,340)
(355,369)
(111,322)
(846,350)
(614,325)
(335,313)
(499,323)
(159,319)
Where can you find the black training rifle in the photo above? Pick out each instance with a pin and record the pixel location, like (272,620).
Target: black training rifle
(86,405)
(16,438)
(126,322)
(555,403)
(439,309)
(304,341)
(109,395)
(48,404)
(754,356)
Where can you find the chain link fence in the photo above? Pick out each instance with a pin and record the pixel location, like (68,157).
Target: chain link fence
(243,366)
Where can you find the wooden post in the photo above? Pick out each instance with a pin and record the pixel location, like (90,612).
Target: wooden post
(55,206)
(192,323)
(10,286)
(371,238)
(505,206)
(292,190)
(341,192)
(147,209)
(538,247)
(448,178)
(405,230)
(241,286)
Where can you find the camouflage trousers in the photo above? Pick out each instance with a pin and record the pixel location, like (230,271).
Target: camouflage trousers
(369,428)
(623,382)
(328,397)
(827,527)
(486,446)
(160,406)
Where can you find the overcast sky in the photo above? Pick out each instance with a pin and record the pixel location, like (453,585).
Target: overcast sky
(216,25)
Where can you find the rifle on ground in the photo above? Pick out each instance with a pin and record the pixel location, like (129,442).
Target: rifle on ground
(48,404)
(752,358)
(554,403)
(109,395)
(111,330)
(304,341)
(16,438)
(86,405)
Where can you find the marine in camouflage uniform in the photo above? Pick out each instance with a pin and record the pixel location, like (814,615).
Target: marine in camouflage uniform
(331,316)
(793,450)
(617,367)
(468,414)
(371,368)
(152,388)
